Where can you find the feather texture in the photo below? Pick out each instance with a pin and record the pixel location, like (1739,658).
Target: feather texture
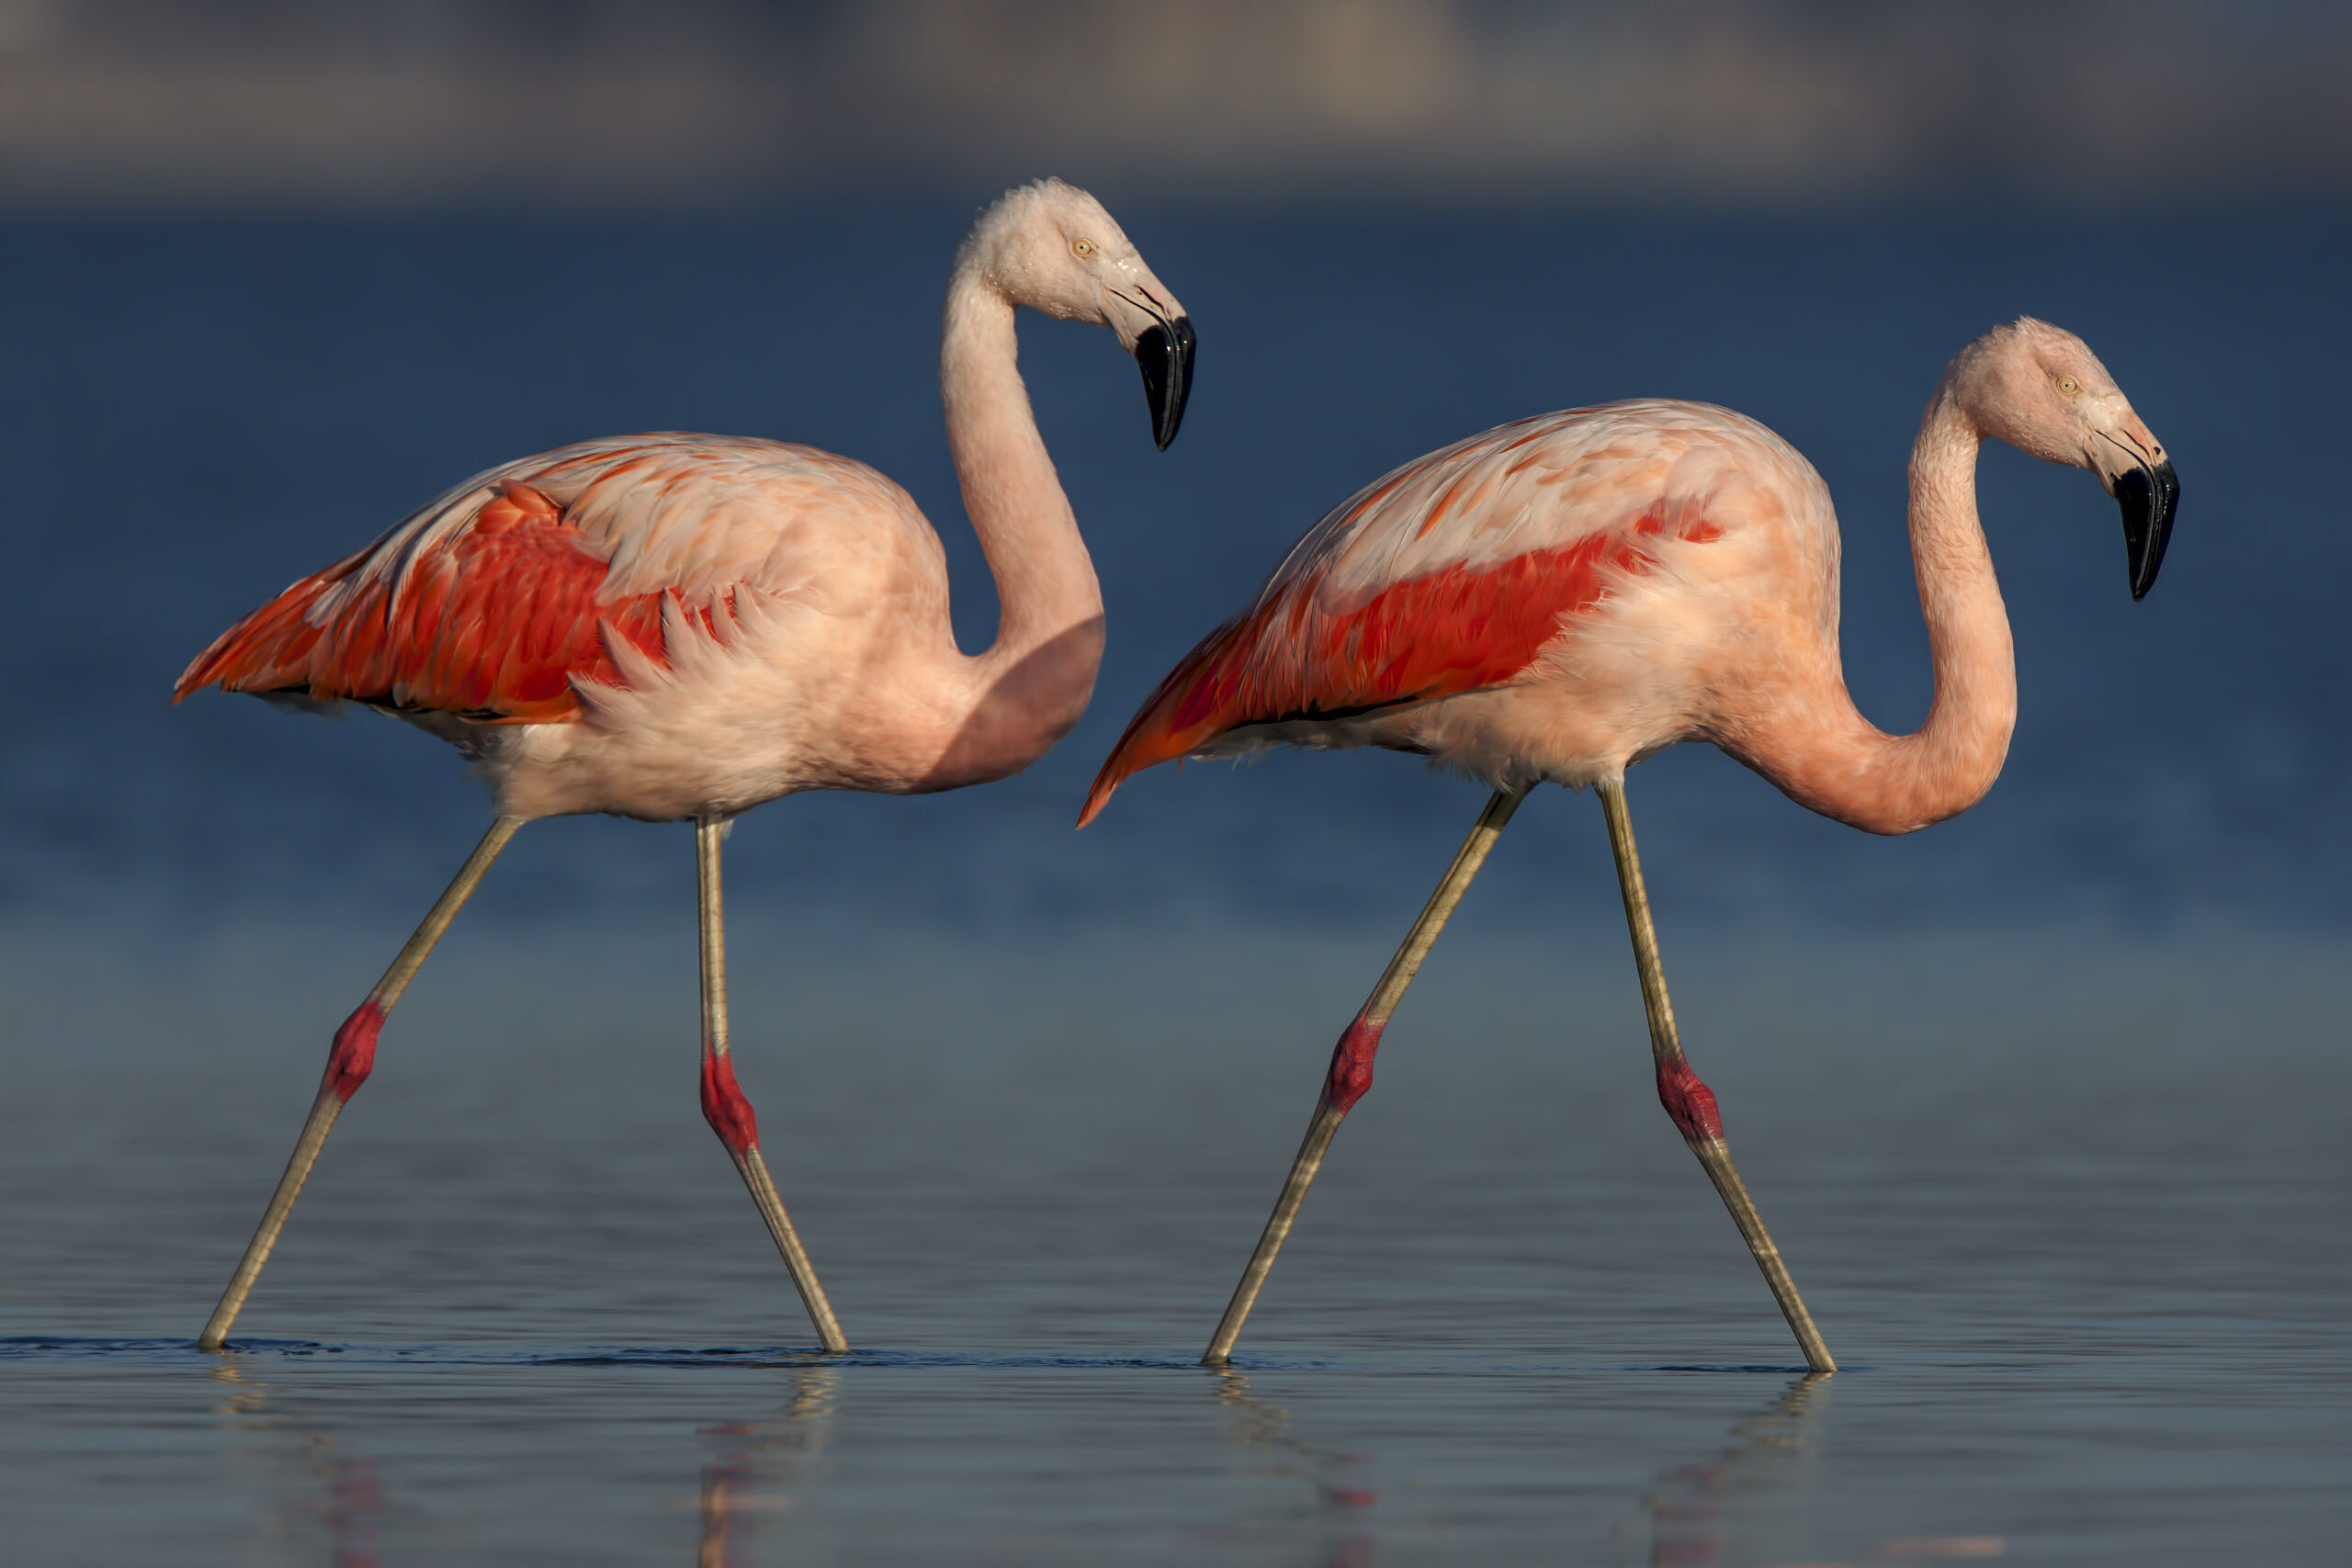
(1455,572)
(496,602)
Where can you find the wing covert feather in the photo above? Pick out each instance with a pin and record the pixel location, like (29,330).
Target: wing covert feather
(1449,574)
(492,601)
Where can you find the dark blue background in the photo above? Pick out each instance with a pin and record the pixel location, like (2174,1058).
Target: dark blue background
(197,412)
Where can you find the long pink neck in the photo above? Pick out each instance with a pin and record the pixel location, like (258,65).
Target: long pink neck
(1035,680)
(1819,747)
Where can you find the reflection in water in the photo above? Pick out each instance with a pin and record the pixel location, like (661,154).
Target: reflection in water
(1337,1477)
(1748,1502)
(764,1462)
(1751,1503)
(1764,1473)
(344,1491)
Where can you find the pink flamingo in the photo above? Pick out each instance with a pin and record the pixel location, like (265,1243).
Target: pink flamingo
(680,626)
(1558,598)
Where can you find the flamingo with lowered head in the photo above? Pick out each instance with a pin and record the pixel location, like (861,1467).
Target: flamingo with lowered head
(679,628)
(1558,598)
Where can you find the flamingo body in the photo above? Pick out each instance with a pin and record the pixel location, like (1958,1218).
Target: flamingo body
(658,627)
(1551,600)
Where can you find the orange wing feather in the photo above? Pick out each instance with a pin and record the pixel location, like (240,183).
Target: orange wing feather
(493,624)
(1448,632)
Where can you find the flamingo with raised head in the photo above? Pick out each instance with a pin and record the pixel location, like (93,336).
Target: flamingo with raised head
(678,628)
(1558,598)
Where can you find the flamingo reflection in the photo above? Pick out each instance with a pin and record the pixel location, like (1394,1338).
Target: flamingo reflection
(1766,1460)
(1750,1502)
(1336,1476)
(351,1498)
(748,1481)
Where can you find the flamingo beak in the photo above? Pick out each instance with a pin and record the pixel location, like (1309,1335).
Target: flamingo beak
(2147,497)
(1165,352)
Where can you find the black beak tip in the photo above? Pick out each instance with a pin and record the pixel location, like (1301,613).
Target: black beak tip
(1165,352)
(2148,498)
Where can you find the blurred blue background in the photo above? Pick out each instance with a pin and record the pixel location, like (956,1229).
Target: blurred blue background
(276,274)
(201,411)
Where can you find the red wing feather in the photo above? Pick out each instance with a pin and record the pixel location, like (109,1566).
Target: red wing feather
(1436,636)
(493,623)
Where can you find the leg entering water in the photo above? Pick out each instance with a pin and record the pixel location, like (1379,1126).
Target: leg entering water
(1350,1071)
(1689,1101)
(348,1064)
(723,1103)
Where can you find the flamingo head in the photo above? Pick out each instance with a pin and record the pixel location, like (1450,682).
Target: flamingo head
(1052,247)
(2042,391)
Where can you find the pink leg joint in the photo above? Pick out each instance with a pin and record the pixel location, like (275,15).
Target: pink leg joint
(723,1105)
(353,1057)
(1351,1073)
(1689,1101)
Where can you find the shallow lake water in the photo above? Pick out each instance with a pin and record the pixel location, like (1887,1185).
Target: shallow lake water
(2087,1289)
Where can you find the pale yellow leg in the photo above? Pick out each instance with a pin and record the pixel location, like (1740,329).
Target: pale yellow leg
(1350,1071)
(348,1063)
(1689,1101)
(723,1103)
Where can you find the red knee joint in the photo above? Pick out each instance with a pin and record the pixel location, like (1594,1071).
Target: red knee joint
(1689,1101)
(353,1055)
(723,1105)
(1351,1066)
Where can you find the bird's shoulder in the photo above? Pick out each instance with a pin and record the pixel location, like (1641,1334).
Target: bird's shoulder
(672,512)
(1547,484)
(492,600)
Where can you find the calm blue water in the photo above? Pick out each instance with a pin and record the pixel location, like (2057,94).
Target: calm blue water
(2045,1106)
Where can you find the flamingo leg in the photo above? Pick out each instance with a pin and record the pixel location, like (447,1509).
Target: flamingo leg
(1350,1071)
(1689,1102)
(723,1103)
(350,1061)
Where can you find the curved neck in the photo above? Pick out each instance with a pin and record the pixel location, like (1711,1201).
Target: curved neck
(1827,756)
(1033,682)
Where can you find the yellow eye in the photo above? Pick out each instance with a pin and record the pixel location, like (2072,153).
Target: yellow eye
(1081,248)
(2069,386)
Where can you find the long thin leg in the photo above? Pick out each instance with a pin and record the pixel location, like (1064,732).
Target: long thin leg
(1690,1103)
(723,1104)
(1350,1072)
(350,1061)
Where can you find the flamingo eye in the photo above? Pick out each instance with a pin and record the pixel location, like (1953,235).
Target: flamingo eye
(2069,386)
(1081,249)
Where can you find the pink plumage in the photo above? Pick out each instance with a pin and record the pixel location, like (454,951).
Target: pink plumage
(680,626)
(499,601)
(1556,599)
(1478,567)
